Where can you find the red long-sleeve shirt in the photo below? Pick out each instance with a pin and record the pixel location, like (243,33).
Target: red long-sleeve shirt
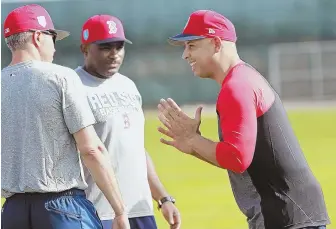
(244,96)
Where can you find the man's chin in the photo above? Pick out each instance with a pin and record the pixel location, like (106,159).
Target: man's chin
(197,74)
(109,74)
(202,76)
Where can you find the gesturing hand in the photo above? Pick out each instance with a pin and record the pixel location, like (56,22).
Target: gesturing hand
(180,127)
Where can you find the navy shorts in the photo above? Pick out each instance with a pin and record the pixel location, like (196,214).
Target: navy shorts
(146,222)
(69,209)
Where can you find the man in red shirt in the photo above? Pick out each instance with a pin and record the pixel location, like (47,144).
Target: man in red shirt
(270,178)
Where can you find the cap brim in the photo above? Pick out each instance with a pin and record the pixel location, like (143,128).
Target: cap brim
(61,34)
(179,39)
(115,39)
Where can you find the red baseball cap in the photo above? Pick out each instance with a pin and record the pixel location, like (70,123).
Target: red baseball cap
(101,29)
(30,18)
(205,24)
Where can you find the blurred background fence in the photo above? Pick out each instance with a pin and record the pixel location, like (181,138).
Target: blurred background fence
(292,43)
(303,71)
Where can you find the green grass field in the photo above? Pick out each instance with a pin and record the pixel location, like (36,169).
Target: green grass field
(203,193)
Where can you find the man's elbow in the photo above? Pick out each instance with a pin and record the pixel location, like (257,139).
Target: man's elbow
(88,143)
(244,160)
(90,152)
(237,162)
(242,166)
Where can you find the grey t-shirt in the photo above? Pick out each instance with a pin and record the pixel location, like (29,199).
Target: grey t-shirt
(42,105)
(117,106)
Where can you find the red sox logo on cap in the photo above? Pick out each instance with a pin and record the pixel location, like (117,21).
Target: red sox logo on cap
(112,27)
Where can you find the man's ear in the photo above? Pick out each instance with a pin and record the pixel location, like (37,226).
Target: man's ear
(84,49)
(218,44)
(37,38)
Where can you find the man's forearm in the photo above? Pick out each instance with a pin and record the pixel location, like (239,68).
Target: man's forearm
(157,189)
(203,159)
(104,176)
(204,149)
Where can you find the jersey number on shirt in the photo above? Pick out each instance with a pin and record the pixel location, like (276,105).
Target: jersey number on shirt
(127,123)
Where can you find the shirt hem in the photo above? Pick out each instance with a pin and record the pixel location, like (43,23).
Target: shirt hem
(7,194)
(308,224)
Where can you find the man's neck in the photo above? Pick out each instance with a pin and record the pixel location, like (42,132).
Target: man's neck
(224,70)
(20,56)
(95,74)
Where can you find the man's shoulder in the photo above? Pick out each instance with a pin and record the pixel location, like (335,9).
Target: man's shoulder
(236,82)
(46,70)
(130,83)
(37,66)
(244,73)
(126,79)
(242,76)
(55,68)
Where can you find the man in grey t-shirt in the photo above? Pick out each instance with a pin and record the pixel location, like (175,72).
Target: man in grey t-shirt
(45,121)
(117,106)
